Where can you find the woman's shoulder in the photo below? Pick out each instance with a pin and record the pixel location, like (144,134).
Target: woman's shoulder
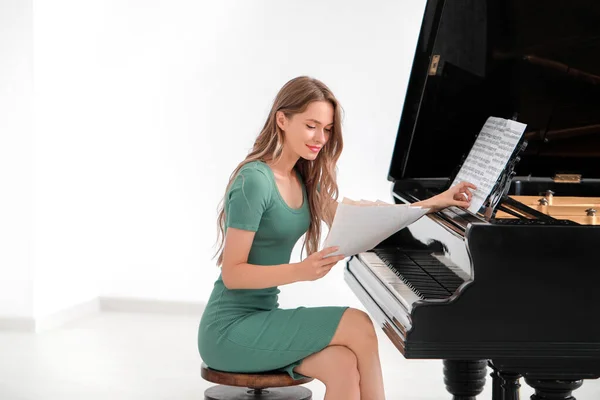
(257,169)
(256,165)
(255,174)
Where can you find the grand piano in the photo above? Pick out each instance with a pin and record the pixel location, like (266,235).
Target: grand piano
(515,287)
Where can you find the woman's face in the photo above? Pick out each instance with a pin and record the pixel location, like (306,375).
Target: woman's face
(306,133)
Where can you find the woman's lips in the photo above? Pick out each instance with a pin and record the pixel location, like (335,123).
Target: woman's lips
(314,149)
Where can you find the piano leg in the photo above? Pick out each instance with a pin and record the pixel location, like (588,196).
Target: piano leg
(510,385)
(553,389)
(465,379)
(505,385)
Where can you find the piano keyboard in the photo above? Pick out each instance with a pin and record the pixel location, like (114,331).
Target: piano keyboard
(394,283)
(413,276)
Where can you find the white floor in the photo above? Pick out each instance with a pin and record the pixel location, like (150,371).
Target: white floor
(147,356)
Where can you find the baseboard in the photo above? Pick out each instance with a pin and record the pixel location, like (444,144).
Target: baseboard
(100,304)
(17,324)
(51,321)
(140,305)
(67,315)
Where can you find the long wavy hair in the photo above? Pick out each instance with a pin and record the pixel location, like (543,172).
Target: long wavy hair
(319,175)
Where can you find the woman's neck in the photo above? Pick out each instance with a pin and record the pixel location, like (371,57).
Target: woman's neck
(285,165)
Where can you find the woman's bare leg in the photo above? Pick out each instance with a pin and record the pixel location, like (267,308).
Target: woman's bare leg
(336,367)
(357,333)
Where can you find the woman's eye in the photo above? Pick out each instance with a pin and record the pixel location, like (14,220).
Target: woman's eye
(328,130)
(310,127)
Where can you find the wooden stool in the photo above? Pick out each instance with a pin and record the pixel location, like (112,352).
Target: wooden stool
(234,386)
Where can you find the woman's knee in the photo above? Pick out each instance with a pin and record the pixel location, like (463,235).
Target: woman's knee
(355,329)
(332,366)
(365,321)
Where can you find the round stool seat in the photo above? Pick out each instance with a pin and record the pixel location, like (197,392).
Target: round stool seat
(254,386)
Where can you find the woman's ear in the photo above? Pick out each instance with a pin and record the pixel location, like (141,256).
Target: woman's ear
(281,120)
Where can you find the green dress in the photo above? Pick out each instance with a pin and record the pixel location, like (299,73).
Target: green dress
(244,330)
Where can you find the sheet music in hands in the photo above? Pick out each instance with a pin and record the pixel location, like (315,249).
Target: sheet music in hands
(488,157)
(359,226)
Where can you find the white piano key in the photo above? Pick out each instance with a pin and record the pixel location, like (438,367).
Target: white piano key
(394,284)
(397,309)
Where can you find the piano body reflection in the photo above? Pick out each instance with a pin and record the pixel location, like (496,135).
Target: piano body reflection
(515,288)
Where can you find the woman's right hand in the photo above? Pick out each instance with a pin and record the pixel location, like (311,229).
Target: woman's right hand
(317,265)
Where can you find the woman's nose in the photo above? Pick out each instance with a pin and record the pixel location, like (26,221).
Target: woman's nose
(321,136)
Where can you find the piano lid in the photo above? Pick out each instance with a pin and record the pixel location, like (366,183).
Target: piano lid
(538,61)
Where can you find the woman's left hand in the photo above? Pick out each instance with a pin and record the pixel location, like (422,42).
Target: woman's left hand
(459,195)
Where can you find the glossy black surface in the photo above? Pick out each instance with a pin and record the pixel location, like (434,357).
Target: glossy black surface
(536,61)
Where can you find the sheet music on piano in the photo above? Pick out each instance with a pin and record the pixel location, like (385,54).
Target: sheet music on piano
(488,157)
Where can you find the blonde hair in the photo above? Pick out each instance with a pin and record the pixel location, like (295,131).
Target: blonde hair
(319,175)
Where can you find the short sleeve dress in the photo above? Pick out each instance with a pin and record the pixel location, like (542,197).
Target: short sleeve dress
(244,330)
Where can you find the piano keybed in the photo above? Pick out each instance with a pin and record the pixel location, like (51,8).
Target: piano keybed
(413,275)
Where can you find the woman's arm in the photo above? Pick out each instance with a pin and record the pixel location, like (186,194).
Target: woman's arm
(237,273)
(458,195)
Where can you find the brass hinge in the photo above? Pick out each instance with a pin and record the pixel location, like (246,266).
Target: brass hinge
(567,178)
(435,61)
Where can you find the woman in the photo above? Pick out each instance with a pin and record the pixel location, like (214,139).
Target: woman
(283,189)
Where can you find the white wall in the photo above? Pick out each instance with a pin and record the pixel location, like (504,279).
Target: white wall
(143,108)
(16,171)
(73,173)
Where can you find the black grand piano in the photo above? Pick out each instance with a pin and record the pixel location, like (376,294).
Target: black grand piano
(515,288)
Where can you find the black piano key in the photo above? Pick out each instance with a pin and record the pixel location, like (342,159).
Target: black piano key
(423,271)
(449,282)
(425,284)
